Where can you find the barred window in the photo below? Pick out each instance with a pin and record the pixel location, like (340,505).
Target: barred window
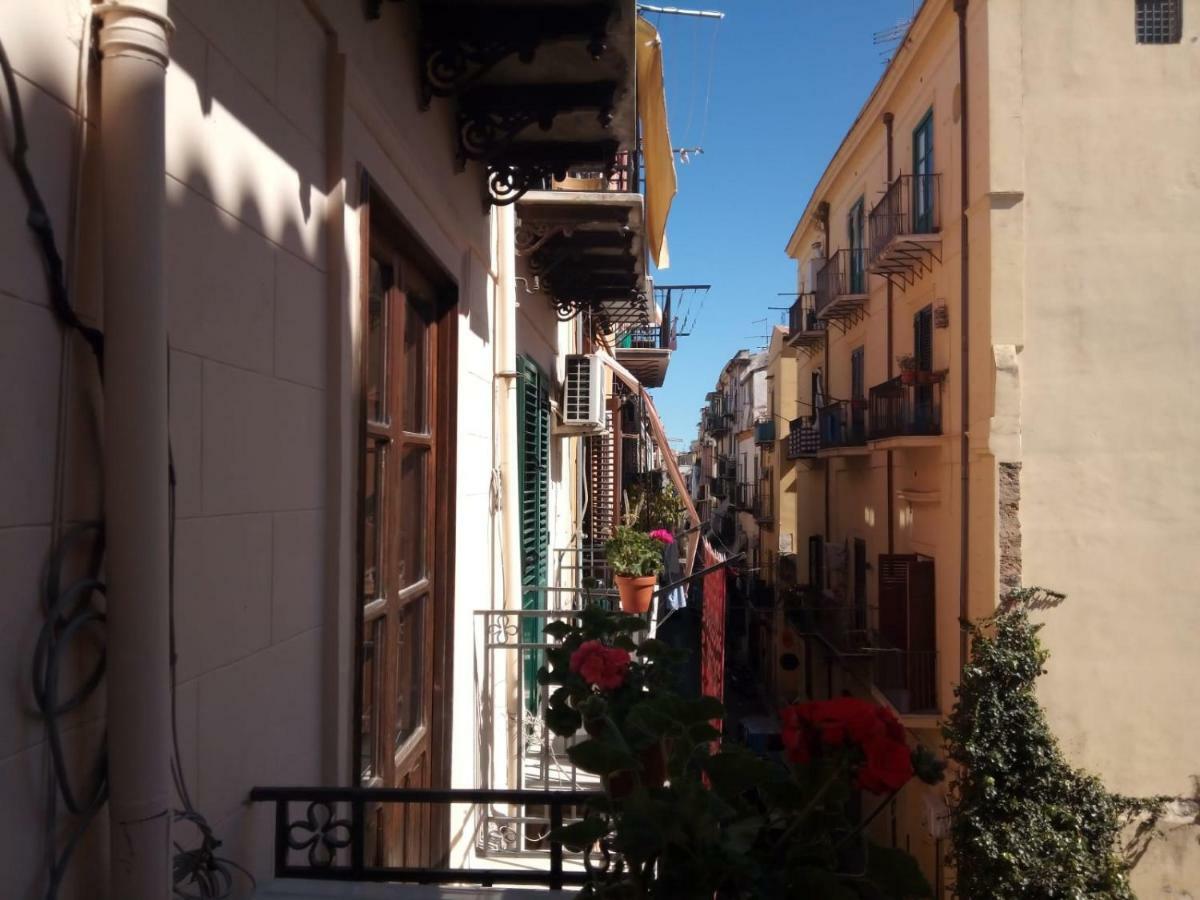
(1158,21)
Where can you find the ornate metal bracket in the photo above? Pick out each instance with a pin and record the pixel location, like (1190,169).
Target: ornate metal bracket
(490,118)
(463,41)
(523,167)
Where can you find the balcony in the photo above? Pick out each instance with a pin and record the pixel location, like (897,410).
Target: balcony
(764,431)
(803,440)
(720,415)
(907,414)
(842,295)
(843,428)
(726,467)
(646,352)
(806,331)
(516,112)
(905,229)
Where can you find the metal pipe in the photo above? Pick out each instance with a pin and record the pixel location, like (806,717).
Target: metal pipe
(888,122)
(676,11)
(133,47)
(960,7)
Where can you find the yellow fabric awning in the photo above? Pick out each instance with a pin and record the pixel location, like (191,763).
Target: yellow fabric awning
(657,158)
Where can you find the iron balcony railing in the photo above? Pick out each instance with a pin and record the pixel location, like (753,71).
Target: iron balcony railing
(624,177)
(843,274)
(843,423)
(647,337)
(909,207)
(900,409)
(802,317)
(326,833)
(726,466)
(764,431)
(763,506)
(908,678)
(802,440)
(847,628)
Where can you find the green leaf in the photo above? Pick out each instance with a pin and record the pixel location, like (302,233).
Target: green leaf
(558,630)
(600,758)
(701,709)
(582,834)
(563,720)
(896,873)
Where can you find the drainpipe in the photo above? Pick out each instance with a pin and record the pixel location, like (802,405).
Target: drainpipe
(506,381)
(888,121)
(133,47)
(960,8)
(823,216)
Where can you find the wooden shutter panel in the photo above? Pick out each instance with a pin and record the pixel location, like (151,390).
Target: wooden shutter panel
(923,339)
(893,598)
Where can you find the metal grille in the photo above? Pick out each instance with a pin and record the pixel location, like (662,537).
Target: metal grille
(1158,21)
(577,394)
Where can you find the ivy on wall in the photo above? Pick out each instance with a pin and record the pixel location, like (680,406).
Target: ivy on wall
(1025,824)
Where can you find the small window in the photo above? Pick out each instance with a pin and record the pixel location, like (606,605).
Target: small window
(1158,21)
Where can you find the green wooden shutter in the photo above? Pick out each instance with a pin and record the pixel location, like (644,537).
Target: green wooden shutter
(533,473)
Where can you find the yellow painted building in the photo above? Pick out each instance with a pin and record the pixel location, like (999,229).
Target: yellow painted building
(995,299)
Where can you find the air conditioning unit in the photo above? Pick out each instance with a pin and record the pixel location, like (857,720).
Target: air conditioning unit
(582,408)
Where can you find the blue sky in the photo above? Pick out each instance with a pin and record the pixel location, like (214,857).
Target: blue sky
(788,78)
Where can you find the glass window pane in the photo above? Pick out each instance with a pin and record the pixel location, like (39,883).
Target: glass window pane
(411,650)
(412,516)
(372,673)
(372,513)
(417,319)
(376,343)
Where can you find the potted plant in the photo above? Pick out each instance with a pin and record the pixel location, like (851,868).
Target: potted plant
(636,559)
(687,814)
(908,368)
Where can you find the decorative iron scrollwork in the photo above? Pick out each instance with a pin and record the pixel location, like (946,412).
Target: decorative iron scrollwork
(509,183)
(325,834)
(463,41)
(490,118)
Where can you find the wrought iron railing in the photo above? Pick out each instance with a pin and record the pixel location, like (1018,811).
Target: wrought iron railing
(844,273)
(763,506)
(909,206)
(802,317)
(847,628)
(901,409)
(843,423)
(332,838)
(802,440)
(646,337)
(908,678)
(624,177)
(726,466)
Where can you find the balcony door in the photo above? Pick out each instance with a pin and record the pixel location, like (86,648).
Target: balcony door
(858,393)
(923,350)
(856,226)
(405,544)
(922,192)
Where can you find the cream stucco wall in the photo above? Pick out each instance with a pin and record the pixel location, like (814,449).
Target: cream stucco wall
(264,154)
(1081,234)
(1102,189)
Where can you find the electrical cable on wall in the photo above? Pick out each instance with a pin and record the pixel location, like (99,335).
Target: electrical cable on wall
(71,610)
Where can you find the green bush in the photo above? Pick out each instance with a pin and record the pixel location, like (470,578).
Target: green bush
(1025,824)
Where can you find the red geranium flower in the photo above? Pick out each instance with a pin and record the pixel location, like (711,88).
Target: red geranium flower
(605,667)
(661,534)
(873,729)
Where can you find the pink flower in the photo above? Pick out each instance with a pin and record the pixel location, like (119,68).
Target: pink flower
(605,667)
(661,534)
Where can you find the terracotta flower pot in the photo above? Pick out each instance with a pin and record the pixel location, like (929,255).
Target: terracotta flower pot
(636,593)
(908,377)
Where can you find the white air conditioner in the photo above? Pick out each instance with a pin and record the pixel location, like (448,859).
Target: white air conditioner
(582,408)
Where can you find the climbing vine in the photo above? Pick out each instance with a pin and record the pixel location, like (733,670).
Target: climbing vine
(1025,824)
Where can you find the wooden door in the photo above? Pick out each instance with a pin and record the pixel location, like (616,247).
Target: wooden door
(405,491)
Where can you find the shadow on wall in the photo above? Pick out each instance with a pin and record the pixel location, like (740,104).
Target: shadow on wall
(249,312)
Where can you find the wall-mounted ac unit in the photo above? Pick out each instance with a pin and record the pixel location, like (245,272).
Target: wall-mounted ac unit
(583,395)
